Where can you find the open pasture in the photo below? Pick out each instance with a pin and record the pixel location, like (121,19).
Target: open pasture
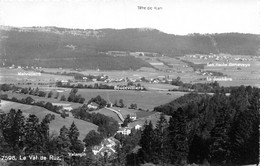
(45,99)
(241,75)
(143,99)
(108,113)
(153,117)
(124,74)
(10,76)
(55,125)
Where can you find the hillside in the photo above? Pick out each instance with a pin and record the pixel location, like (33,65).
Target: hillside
(75,48)
(83,126)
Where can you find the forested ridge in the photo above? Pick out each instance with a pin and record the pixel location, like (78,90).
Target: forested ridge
(204,129)
(52,47)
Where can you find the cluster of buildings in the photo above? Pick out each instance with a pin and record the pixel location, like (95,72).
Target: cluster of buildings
(107,147)
(127,130)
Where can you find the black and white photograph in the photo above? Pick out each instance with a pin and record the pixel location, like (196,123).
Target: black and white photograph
(129,82)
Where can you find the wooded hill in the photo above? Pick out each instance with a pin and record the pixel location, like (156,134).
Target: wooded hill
(60,47)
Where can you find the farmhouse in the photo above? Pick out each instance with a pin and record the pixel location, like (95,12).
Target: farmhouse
(67,108)
(133,117)
(93,105)
(138,127)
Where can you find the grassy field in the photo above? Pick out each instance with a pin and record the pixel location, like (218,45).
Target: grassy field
(143,99)
(108,113)
(153,117)
(55,125)
(240,75)
(11,76)
(45,99)
(125,111)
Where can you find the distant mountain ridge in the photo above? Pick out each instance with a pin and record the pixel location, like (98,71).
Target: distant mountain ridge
(82,47)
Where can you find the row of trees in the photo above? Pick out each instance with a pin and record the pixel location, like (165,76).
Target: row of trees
(73,97)
(30,101)
(81,86)
(211,87)
(29,91)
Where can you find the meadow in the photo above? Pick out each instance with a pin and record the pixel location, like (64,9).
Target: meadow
(240,75)
(55,125)
(10,76)
(45,99)
(153,117)
(108,113)
(143,99)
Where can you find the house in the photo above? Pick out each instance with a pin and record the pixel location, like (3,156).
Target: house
(133,117)
(93,105)
(124,131)
(138,127)
(107,146)
(64,81)
(68,108)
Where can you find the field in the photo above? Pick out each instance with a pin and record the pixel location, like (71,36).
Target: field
(143,99)
(11,76)
(240,75)
(108,113)
(45,99)
(55,125)
(126,111)
(153,117)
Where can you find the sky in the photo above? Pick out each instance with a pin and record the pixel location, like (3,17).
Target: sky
(170,16)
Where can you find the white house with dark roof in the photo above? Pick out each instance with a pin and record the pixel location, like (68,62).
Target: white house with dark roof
(93,105)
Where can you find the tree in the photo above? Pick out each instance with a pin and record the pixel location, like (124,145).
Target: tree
(160,140)
(133,106)
(178,137)
(81,100)
(44,131)
(63,98)
(49,106)
(63,143)
(73,132)
(73,91)
(121,103)
(4,96)
(146,142)
(120,155)
(12,127)
(33,140)
(29,100)
(92,138)
(99,100)
(126,121)
(76,145)
(42,94)
(220,146)
(115,104)
(57,95)
(50,94)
